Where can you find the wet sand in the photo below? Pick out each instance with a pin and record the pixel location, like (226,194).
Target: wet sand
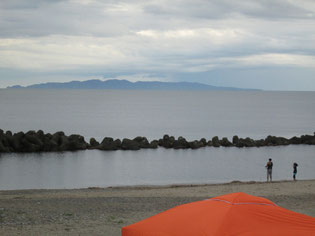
(97,211)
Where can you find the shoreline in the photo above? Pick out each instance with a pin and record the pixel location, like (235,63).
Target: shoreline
(192,185)
(153,186)
(103,211)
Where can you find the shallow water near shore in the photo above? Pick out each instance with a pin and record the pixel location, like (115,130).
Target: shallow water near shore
(95,168)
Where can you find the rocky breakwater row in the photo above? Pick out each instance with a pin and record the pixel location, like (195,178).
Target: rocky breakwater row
(182,143)
(33,141)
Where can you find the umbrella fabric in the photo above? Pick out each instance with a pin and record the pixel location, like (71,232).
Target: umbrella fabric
(235,214)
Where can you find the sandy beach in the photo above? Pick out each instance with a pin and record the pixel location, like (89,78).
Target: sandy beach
(96,211)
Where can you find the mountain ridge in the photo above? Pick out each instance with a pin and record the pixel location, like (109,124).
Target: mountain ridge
(115,84)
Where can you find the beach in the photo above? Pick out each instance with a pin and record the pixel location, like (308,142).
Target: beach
(103,211)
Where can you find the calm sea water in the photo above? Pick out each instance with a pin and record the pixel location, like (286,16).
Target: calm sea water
(119,114)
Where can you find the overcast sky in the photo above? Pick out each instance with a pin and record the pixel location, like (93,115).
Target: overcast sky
(266,44)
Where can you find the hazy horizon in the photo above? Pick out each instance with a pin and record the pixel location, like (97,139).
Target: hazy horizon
(166,85)
(103,80)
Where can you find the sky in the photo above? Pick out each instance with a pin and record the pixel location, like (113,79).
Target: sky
(263,44)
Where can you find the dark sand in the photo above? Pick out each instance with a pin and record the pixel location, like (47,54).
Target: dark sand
(104,211)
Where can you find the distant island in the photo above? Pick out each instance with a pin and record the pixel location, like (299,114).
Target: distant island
(127,85)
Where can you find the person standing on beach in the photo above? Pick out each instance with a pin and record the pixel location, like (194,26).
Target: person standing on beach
(269,170)
(295,165)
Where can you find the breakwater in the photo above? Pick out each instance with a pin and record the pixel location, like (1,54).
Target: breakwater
(38,141)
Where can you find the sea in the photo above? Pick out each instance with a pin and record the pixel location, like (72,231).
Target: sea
(131,113)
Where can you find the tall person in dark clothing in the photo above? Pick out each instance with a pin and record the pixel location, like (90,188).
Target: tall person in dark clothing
(269,166)
(295,165)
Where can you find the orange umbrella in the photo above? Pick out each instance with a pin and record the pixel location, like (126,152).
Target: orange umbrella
(236,214)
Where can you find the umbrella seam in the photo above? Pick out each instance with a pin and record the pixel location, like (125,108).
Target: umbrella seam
(241,203)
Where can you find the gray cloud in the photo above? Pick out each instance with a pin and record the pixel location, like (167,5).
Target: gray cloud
(108,18)
(56,17)
(18,4)
(159,39)
(225,8)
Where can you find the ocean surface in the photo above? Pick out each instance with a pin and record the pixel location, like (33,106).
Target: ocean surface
(191,114)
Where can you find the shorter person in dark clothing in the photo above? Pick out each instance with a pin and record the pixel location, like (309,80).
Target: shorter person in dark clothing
(269,166)
(295,165)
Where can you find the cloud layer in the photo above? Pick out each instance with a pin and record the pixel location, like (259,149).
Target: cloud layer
(166,40)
